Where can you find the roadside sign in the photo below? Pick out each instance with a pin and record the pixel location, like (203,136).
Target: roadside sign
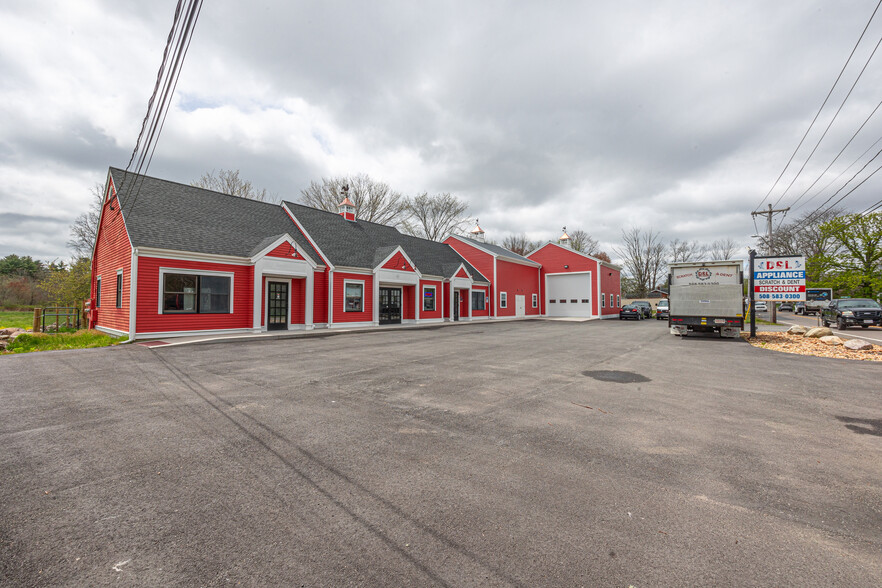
(779,278)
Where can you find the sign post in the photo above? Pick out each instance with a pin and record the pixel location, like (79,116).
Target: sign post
(752,298)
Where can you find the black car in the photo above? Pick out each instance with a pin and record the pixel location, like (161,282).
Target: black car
(631,311)
(662,309)
(645,306)
(852,312)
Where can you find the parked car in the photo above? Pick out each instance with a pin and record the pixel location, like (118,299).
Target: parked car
(761,306)
(645,306)
(799,307)
(852,312)
(786,306)
(631,311)
(662,309)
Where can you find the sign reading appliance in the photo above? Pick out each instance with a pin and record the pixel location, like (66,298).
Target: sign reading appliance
(779,278)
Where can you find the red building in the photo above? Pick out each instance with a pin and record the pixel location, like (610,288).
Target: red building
(575,284)
(172,259)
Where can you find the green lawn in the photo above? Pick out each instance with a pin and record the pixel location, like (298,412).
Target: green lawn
(84,339)
(14,318)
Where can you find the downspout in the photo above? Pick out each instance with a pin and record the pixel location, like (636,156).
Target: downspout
(133,294)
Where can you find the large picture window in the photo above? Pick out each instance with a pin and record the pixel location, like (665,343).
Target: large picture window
(196,293)
(429,298)
(478,300)
(353,292)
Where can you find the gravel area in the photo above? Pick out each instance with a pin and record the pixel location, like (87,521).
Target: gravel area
(790,343)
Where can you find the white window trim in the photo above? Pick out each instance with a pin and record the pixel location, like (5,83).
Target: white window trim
(603,300)
(618,301)
(503,300)
(180,270)
(119,287)
(98,292)
(484,292)
(434,298)
(363,294)
(535,301)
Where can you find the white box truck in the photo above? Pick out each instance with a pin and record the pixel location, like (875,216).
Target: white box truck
(706,297)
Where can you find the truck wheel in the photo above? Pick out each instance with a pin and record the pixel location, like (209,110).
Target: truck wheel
(865,326)
(840,324)
(825,322)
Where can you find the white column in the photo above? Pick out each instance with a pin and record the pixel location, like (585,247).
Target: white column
(418,300)
(469,301)
(308,322)
(376,300)
(258,296)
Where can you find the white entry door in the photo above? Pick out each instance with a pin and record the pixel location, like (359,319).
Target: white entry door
(520,305)
(569,295)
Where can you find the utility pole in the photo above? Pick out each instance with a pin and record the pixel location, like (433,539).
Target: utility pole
(770,213)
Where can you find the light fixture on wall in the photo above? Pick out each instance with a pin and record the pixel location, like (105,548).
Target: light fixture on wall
(566,267)
(293,249)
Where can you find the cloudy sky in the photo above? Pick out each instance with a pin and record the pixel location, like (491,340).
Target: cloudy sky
(671,115)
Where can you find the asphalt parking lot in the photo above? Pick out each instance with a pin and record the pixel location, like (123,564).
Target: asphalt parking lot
(532,453)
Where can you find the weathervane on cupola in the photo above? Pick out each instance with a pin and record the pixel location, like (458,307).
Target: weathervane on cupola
(478,233)
(564,239)
(346,208)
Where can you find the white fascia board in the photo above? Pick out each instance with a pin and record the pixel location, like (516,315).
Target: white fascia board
(282,239)
(398,249)
(461,267)
(529,262)
(585,255)
(307,235)
(192,256)
(353,270)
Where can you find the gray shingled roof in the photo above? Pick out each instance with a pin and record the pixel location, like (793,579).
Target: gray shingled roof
(501,251)
(169,215)
(364,244)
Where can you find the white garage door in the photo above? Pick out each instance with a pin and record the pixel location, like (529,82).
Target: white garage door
(569,295)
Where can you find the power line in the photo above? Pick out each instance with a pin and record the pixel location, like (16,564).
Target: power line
(795,151)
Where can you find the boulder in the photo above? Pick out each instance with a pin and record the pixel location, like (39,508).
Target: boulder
(797,330)
(818,332)
(857,345)
(832,340)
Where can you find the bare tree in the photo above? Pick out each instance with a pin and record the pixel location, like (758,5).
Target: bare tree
(685,250)
(435,217)
(643,255)
(582,241)
(84,229)
(723,248)
(228,181)
(519,244)
(602,255)
(374,201)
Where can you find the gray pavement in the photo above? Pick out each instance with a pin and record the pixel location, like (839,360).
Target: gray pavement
(532,453)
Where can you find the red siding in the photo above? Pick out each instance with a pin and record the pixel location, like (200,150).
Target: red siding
(610,284)
(150,320)
(320,297)
(398,262)
(486,311)
(285,250)
(553,259)
(462,273)
(463,304)
(408,302)
(445,301)
(298,301)
(113,251)
(367,313)
(439,311)
(516,280)
(483,262)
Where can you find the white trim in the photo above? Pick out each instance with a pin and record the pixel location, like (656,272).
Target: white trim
(352,324)
(164,334)
(348,281)
(133,292)
(98,291)
(308,238)
(423,298)
(495,285)
(535,300)
(200,272)
(603,300)
(109,331)
(354,270)
(286,238)
(192,256)
(389,257)
(331,297)
(590,274)
(463,268)
(503,298)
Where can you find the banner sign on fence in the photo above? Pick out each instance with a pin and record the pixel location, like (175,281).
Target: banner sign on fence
(779,278)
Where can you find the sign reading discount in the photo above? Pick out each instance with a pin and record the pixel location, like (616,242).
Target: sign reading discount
(779,278)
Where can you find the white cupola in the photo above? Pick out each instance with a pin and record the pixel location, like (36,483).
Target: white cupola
(477,233)
(564,239)
(346,208)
